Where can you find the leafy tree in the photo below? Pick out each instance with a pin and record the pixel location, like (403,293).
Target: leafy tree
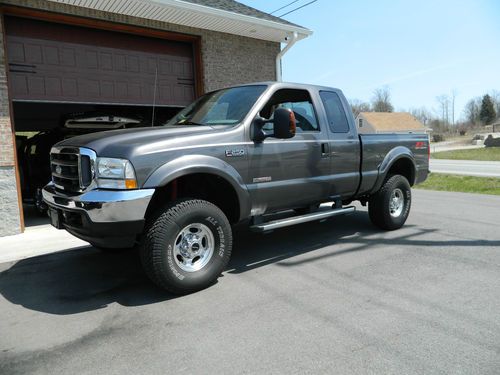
(487,113)
(381,101)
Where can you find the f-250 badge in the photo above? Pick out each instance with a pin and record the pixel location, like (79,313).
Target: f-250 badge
(235,152)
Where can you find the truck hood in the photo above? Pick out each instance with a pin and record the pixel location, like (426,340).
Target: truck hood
(124,142)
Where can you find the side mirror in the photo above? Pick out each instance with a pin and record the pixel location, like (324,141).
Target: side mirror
(284,126)
(284,123)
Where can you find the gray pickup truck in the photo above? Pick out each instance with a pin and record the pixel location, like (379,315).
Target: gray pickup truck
(240,154)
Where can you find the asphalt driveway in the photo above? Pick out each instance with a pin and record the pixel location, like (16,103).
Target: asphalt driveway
(333,297)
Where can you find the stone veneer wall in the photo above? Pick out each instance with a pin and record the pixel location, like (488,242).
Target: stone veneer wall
(10,222)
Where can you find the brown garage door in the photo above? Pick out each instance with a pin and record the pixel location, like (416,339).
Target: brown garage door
(61,63)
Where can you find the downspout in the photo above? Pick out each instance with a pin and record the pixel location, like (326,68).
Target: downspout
(289,45)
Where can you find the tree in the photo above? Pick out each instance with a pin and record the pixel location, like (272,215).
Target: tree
(444,106)
(453,97)
(471,110)
(359,106)
(381,101)
(487,113)
(495,97)
(422,114)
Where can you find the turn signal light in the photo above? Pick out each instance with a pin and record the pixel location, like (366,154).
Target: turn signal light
(130,184)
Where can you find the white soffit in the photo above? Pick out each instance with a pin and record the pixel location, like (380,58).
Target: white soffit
(198,16)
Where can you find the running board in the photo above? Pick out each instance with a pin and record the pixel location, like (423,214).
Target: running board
(275,224)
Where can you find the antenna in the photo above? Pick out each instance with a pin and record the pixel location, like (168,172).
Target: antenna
(154,96)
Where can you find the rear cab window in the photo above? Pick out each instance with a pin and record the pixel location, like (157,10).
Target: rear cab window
(335,113)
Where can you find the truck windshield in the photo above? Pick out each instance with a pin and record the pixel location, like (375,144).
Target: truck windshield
(223,107)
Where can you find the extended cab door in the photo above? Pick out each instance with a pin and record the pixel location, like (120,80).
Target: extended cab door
(289,173)
(344,144)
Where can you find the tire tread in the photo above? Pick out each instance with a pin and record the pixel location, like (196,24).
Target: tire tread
(376,209)
(152,250)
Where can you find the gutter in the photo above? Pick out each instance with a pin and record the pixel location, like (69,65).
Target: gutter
(290,43)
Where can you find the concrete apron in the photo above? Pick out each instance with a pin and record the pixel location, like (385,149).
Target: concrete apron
(37,240)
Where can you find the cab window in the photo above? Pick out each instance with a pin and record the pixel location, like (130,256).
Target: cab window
(337,119)
(299,101)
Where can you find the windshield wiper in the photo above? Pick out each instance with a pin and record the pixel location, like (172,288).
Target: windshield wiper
(182,122)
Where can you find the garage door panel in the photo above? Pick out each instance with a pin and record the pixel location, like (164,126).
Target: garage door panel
(53,86)
(16,52)
(68,57)
(70,88)
(55,70)
(19,84)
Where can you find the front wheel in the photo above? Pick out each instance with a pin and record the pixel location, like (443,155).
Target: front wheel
(187,245)
(390,206)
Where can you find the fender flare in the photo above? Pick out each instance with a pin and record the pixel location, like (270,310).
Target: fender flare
(396,154)
(191,164)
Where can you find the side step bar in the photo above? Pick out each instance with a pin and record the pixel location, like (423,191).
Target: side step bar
(275,224)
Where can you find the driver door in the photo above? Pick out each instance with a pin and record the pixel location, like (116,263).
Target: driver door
(289,173)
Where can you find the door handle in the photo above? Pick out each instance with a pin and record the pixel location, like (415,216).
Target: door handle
(325,149)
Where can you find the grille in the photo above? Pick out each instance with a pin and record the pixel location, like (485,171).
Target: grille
(71,171)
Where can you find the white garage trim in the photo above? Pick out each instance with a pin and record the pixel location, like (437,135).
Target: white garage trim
(196,15)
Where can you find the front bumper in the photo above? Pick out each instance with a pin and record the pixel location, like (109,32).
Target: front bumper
(107,218)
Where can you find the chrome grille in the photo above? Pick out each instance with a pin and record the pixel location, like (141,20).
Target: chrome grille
(72,168)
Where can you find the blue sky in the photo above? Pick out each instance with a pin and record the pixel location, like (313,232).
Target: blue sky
(420,49)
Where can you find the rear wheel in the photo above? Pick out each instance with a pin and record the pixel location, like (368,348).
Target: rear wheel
(390,206)
(187,245)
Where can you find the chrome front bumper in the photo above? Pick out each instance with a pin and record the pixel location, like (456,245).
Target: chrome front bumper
(107,218)
(102,206)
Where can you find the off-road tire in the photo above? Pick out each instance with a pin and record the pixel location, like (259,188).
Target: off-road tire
(162,229)
(379,208)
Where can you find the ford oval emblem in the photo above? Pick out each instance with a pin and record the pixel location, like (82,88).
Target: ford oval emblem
(58,169)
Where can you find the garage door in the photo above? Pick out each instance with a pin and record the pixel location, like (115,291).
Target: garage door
(60,63)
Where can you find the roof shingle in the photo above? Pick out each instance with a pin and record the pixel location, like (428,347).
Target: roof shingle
(393,121)
(236,7)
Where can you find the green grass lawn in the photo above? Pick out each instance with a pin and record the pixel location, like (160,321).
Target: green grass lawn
(483,154)
(464,184)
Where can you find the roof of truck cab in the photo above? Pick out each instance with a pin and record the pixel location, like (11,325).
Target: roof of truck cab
(291,85)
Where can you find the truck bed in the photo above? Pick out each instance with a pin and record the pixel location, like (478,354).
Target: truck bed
(376,148)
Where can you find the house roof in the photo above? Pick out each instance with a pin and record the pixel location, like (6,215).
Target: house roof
(225,16)
(236,7)
(393,121)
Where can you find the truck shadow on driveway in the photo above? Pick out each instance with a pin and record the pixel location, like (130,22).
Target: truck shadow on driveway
(84,280)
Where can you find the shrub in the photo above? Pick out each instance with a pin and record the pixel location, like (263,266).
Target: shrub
(437,138)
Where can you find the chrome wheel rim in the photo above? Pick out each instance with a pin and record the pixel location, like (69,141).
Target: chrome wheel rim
(194,247)
(396,202)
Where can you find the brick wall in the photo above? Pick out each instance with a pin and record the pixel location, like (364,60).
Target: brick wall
(10,222)
(7,151)
(9,206)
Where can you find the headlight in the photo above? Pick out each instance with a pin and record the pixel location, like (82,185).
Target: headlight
(115,174)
